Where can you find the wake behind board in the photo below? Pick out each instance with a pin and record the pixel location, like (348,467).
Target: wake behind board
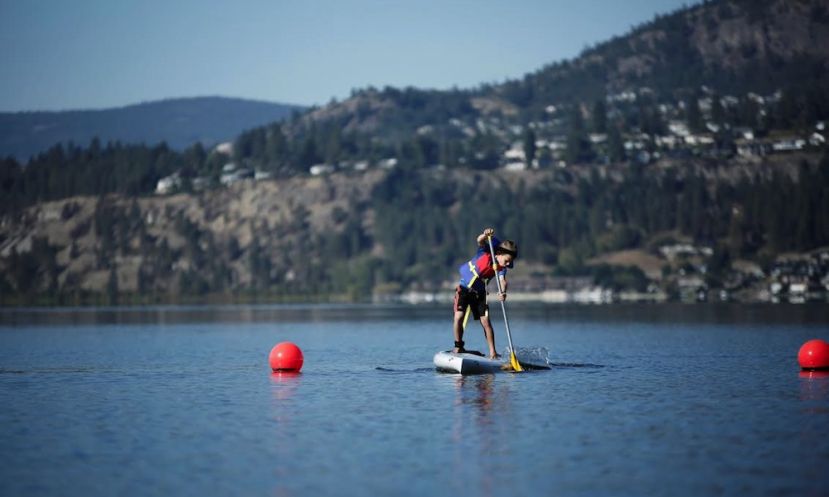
(475,363)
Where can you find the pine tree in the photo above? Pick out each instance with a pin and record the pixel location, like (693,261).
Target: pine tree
(693,116)
(578,145)
(600,116)
(615,145)
(529,147)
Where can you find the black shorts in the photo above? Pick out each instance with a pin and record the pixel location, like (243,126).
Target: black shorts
(475,301)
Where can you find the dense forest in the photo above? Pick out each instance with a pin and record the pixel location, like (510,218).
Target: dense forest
(565,220)
(424,222)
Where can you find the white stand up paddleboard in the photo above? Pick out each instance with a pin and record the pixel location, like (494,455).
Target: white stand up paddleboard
(466,363)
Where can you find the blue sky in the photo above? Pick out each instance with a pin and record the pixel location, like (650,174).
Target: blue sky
(64,54)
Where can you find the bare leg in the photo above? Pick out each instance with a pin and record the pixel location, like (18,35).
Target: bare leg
(457,327)
(489,333)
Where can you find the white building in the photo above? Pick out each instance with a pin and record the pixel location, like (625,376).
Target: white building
(319,169)
(168,184)
(225,148)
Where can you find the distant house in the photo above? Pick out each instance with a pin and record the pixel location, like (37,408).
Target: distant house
(745,133)
(671,252)
(817,140)
(798,288)
(750,148)
(634,145)
(320,169)
(692,288)
(514,154)
(678,128)
(704,140)
(389,163)
(625,96)
(225,148)
(557,145)
(758,99)
(788,144)
(515,166)
(168,184)
(668,141)
(231,176)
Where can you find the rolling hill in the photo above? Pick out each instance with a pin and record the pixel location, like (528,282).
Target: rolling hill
(731,47)
(178,122)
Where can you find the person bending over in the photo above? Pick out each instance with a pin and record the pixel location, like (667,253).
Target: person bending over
(470,296)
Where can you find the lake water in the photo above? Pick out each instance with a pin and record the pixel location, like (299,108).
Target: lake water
(666,400)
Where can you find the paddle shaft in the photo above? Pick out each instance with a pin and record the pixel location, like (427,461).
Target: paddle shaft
(501,292)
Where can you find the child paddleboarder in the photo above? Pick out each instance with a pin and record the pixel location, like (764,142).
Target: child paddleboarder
(470,296)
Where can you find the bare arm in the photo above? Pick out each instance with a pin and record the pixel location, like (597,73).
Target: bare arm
(482,242)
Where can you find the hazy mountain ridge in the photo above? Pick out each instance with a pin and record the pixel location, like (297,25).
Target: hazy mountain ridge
(178,122)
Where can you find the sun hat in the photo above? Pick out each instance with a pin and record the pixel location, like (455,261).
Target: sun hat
(509,247)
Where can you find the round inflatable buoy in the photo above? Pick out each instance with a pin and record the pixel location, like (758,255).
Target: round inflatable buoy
(814,354)
(285,356)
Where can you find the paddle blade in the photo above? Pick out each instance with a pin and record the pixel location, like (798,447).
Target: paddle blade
(514,362)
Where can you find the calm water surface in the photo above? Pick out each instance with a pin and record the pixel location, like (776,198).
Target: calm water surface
(642,400)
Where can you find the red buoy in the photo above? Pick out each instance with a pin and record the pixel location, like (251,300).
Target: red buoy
(285,356)
(814,354)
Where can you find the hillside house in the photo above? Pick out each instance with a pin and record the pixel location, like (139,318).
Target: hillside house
(678,128)
(751,148)
(320,169)
(789,144)
(817,140)
(225,148)
(514,154)
(231,175)
(168,184)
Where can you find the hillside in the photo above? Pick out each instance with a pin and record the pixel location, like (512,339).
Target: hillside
(662,164)
(381,234)
(729,47)
(178,122)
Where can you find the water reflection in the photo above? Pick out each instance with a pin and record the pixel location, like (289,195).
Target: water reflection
(814,386)
(475,391)
(286,417)
(476,434)
(285,384)
(814,374)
